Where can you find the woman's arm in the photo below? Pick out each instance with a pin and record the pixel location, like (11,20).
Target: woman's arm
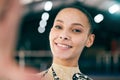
(10,15)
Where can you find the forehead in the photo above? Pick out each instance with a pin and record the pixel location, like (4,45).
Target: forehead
(72,11)
(71,15)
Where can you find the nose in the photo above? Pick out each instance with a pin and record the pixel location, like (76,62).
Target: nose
(64,37)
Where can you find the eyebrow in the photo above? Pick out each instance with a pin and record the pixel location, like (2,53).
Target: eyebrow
(59,20)
(77,24)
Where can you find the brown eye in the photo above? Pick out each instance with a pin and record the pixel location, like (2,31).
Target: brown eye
(76,30)
(58,27)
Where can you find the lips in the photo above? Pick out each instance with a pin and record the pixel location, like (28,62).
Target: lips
(63,46)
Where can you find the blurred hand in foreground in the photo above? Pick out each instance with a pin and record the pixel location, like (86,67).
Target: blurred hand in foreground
(10,16)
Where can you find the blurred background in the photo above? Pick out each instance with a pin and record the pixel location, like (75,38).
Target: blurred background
(101,61)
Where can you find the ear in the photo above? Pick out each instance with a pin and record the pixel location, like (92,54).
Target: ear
(90,40)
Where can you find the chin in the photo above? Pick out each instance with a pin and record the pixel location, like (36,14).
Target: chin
(62,57)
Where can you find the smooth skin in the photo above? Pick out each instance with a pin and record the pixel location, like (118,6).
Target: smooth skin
(69,35)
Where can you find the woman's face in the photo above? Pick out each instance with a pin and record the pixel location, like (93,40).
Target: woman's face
(69,34)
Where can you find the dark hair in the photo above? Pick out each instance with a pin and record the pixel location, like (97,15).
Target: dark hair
(90,19)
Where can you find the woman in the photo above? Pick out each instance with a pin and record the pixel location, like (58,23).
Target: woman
(71,32)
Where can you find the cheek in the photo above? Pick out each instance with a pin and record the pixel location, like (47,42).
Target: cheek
(51,39)
(52,35)
(79,42)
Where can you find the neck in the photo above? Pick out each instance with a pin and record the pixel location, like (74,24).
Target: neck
(64,62)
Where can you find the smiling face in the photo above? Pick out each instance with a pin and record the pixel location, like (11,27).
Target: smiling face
(70,34)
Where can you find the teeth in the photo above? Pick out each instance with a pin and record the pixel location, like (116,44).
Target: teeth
(65,46)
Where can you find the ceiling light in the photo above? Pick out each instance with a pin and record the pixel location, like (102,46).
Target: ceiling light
(43,23)
(48,6)
(98,18)
(45,16)
(41,30)
(114,8)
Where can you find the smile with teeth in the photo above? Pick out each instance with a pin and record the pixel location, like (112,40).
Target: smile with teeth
(63,45)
